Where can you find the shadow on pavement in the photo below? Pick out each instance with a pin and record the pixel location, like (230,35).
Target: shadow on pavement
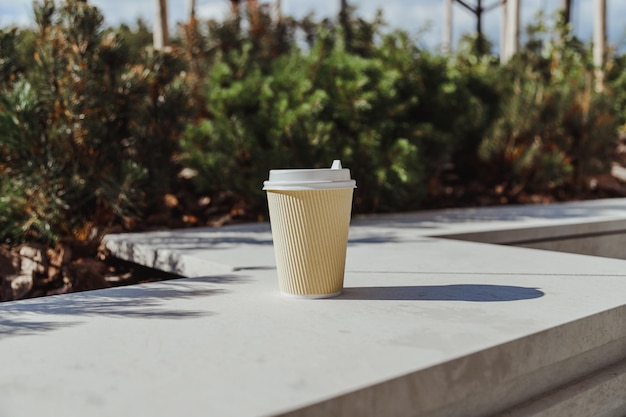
(148,301)
(455,292)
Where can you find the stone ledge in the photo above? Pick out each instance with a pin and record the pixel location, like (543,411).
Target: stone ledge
(426,326)
(599,394)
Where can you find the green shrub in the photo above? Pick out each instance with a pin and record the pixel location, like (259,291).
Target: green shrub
(88,130)
(305,111)
(92,117)
(394,114)
(555,129)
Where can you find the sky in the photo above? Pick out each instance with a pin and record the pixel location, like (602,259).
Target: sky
(423,18)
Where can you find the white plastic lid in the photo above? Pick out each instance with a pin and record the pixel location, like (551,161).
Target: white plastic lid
(310,179)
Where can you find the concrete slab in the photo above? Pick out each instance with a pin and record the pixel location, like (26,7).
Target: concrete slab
(206,251)
(426,326)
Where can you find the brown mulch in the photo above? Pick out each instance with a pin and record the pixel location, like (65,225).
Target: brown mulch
(31,270)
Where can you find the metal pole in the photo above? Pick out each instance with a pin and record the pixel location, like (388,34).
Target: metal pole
(447,27)
(160,35)
(479,14)
(503,34)
(512,28)
(599,41)
(566,6)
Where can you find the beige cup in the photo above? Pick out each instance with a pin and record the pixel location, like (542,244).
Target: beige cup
(310,217)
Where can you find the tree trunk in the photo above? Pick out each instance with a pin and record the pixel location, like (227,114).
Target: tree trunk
(234,6)
(191,8)
(479,18)
(343,6)
(599,41)
(256,27)
(512,29)
(503,33)
(160,35)
(279,11)
(344,21)
(447,27)
(566,10)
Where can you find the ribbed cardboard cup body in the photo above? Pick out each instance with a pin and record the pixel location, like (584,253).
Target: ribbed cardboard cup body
(310,232)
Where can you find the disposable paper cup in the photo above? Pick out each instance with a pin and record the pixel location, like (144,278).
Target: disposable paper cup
(310,217)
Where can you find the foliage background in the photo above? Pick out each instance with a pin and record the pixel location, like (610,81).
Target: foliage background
(103,133)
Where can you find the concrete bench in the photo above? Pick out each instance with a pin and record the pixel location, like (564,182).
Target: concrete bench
(435,320)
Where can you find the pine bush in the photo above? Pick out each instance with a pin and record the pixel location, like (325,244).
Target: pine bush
(89,131)
(555,129)
(391,112)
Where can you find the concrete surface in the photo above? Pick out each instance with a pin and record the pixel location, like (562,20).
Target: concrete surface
(427,326)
